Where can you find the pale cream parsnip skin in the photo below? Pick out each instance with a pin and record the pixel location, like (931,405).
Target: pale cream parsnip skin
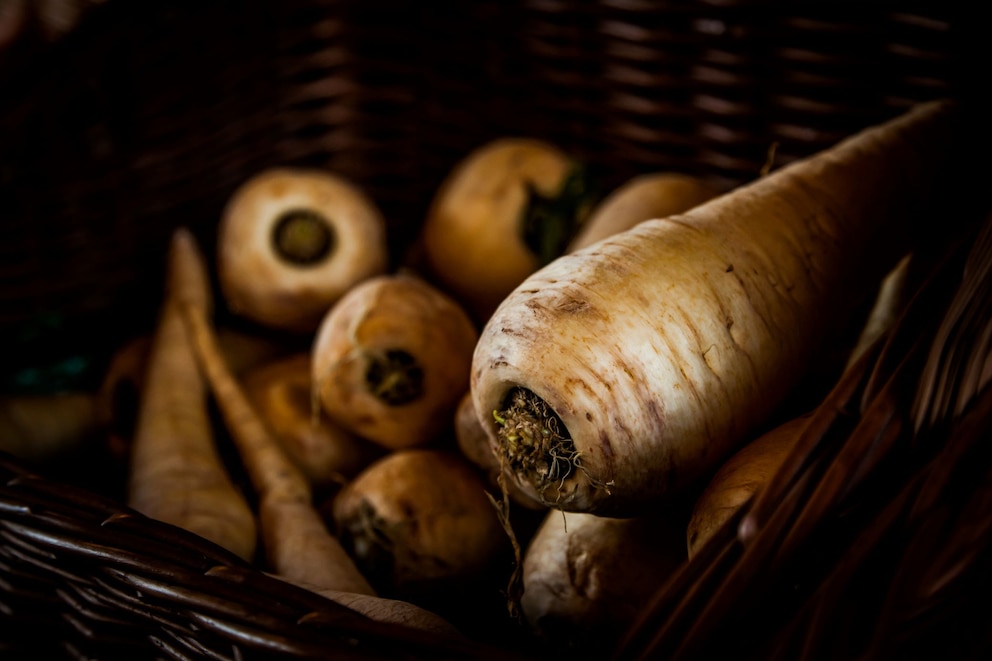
(260,284)
(586,577)
(175,472)
(662,347)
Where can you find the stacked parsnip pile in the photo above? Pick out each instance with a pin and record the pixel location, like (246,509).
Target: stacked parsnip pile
(589,362)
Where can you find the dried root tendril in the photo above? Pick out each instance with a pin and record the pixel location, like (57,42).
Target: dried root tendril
(515,585)
(534,445)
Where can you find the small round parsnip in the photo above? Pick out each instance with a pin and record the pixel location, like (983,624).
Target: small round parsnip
(418,519)
(291,242)
(391,360)
(586,578)
(646,196)
(505,210)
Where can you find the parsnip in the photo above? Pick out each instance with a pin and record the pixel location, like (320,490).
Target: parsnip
(739,478)
(280,391)
(393,611)
(391,360)
(293,241)
(506,209)
(419,520)
(297,544)
(43,428)
(888,305)
(586,577)
(646,196)
(631,368)
(175,472)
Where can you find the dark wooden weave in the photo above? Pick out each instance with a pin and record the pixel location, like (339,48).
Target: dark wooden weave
(147,115)
(83,577)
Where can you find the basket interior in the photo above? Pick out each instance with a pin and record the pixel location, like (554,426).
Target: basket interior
(146,116)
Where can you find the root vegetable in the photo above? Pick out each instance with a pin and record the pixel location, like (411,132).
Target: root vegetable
(119,395)
(631,368)
(739,478)
(391,360)
(245,349)
(120,389)
(419,521)
(175,472)
(42,428)
(280,391)
(293,241)
(587,577)
(391,611)
(892,296)
(297,543)
(506,209)
(647,196)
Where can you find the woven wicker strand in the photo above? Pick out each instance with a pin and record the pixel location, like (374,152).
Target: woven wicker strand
(104,581)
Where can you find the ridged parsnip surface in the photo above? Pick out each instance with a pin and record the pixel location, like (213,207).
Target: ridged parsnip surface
(663,347)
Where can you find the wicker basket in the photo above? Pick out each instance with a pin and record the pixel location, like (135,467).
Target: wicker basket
(144,116)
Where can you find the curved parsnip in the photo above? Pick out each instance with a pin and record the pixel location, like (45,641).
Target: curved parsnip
(297,544)
(392,611)
(890,301)
(293,241)
(505,210)
(739,478)
(646,196)
(632,367)
(327,454)
(391,360)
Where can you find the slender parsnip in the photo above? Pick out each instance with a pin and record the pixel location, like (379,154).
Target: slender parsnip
(175,473)
(631,368)
(297,544)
